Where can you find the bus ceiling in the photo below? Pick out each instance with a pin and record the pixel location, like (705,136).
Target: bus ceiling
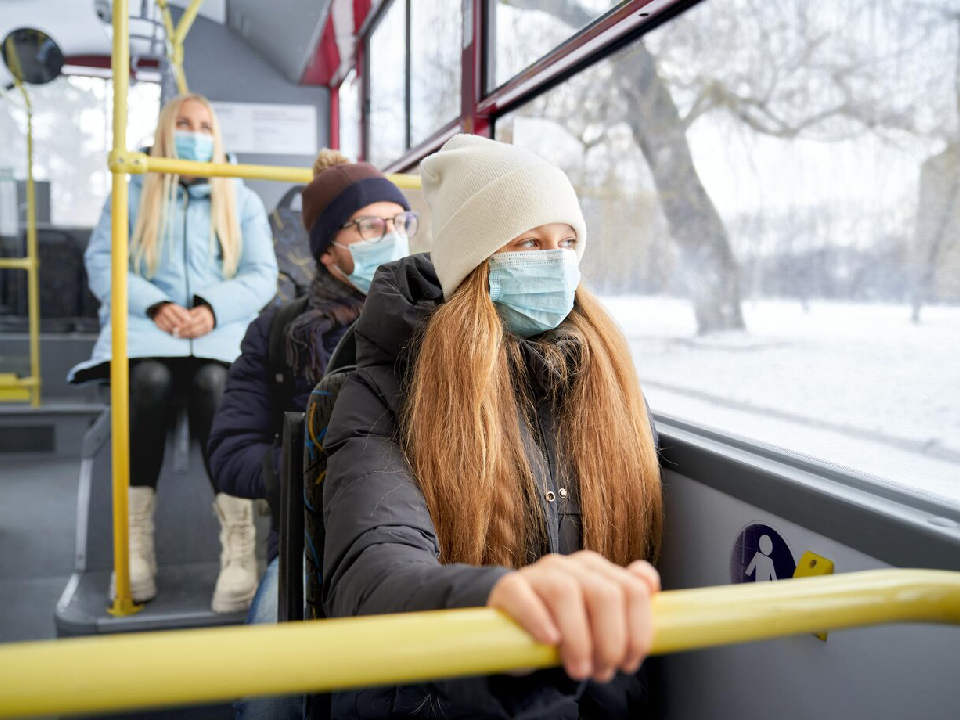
(318,38)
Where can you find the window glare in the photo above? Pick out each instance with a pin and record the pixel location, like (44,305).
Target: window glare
(72,134)
(388,115)
(350,116)
(435,32)
(771,197)
(524,35)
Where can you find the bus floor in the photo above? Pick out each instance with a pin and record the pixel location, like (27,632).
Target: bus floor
(38,508)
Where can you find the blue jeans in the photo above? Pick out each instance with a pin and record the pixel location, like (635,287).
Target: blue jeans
(264,611)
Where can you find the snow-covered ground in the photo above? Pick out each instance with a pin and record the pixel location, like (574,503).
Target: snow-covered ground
(853,384)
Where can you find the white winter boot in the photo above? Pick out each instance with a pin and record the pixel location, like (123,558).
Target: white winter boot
(237,583)
(143,561)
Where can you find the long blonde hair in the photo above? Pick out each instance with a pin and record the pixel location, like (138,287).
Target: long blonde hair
(461,431)
(159,196)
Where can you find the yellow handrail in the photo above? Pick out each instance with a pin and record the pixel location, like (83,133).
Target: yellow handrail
(119,370)
(176,36)
(26,388)
(107,673)
(138,163)
(186,21)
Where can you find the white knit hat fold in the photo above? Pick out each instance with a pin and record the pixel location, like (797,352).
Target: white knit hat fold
(484,193)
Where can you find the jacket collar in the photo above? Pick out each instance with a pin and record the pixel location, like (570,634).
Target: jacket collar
(195,190)
(404,293)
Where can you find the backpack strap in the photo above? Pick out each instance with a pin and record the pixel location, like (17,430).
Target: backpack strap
(344,355)
(278,373)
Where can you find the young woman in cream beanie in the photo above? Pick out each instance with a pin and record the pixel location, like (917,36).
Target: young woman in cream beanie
(494,448)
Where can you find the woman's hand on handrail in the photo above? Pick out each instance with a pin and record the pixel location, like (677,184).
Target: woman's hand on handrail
(597,612)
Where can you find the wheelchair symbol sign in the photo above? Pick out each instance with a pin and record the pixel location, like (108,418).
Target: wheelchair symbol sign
(760,554)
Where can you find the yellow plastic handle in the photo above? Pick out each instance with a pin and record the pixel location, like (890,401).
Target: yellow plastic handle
(107,673)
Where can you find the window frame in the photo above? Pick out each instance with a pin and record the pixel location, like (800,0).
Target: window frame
(480,107)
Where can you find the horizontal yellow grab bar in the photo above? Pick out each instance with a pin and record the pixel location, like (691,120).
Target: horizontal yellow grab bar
(107,673)
(20,263)
(139,163)
(9,380)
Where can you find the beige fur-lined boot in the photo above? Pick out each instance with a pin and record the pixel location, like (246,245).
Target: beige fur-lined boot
(143,561)
(237,582)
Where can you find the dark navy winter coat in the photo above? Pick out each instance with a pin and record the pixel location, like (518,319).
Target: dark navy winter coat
(381,549)
(243,440)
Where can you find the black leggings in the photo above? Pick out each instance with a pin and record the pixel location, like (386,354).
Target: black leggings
(154,383)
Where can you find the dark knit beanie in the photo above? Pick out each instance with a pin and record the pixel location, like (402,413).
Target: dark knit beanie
(337,192)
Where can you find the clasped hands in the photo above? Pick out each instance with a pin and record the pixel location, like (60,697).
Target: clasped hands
(183,323)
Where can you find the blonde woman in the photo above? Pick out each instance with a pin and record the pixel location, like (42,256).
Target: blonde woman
(494,448)
(201,267)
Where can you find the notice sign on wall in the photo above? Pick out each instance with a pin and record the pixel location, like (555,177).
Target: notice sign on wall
(268,129)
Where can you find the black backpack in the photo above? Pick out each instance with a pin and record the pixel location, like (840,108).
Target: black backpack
(301,554)
(316,419)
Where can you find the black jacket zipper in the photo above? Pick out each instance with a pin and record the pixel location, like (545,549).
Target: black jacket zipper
(552,511)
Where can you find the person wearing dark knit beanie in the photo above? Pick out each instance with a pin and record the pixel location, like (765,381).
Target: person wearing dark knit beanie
(356,219)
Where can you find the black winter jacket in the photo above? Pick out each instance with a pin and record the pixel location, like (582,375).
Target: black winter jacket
(381,551)
(242,444)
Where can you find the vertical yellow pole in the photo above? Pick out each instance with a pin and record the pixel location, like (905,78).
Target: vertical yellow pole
(119,372)
(33,257)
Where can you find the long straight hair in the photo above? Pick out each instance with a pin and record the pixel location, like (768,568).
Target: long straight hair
(461,430)
(159,196)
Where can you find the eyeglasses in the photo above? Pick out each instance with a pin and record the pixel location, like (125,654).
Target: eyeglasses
(375,228)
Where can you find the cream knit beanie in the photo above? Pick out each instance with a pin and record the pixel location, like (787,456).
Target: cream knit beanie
(482,194)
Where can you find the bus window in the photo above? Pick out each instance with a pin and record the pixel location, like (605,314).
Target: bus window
(386,50)
(350,116)
(772,198)
(435,32)
(525,32)
(72,126)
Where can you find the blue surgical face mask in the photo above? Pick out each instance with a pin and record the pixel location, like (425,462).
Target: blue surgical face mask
(194,146)
(369,255)
(534,289)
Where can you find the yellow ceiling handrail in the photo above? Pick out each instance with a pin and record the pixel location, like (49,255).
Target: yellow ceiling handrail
(139,163)
(176,36)
(107,673)
(186,21)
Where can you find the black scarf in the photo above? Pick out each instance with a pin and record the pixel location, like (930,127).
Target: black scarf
(333,304)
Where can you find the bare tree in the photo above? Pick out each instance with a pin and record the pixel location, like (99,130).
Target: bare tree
(938,210)
(778,68)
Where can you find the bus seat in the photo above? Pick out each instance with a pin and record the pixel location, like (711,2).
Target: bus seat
(296,266)
(186,540)
(290,571)
(180,434)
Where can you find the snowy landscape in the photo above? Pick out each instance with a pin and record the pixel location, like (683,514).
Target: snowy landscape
(853,384)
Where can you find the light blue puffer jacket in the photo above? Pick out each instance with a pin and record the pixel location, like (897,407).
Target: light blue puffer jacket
(190,265)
